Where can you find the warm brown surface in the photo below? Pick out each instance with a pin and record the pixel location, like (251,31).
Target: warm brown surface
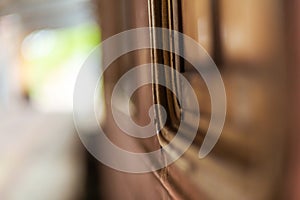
(247,41)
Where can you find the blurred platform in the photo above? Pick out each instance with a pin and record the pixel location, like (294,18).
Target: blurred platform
(40,157)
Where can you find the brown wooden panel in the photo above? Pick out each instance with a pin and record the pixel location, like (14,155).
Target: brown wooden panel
(243,164)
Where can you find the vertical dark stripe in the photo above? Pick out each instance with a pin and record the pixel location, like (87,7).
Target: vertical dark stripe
(180,29)
(217,45)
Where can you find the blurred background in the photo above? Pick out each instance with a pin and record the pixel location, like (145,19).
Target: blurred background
(255,44)
(43,46)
